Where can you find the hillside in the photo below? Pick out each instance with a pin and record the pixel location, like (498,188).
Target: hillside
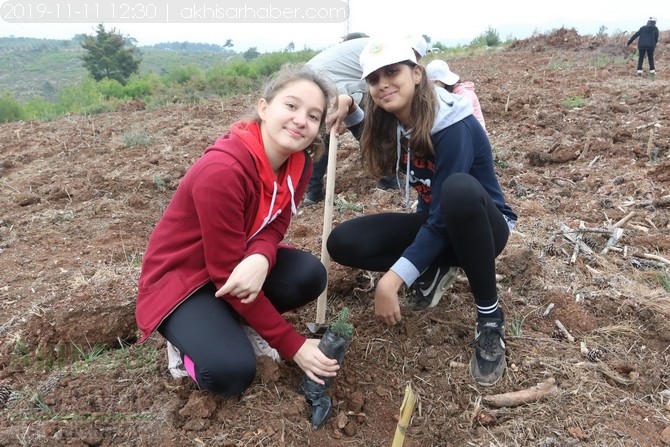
(582,149)
(29,64)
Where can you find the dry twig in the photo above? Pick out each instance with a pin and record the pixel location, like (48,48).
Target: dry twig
(533,394)
(656,258)
(562,328)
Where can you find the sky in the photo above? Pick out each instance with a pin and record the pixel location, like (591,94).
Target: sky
(246,22)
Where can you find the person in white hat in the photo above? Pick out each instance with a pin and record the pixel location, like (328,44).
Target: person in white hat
(438,71)
(462,218)
(648,38)
(418,44)
(340,63)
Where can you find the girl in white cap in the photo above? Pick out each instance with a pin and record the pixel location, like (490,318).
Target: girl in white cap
(438,72)
(462,218)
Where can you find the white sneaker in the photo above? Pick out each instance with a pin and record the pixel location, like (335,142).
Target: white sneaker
(175,363)
(261,347)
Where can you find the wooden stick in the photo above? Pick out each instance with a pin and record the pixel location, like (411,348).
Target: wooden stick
(562,328)
(548,310)
(515,398)
(623,221)
(327,222)
(656,258)
(616,235)
(578,242)
(406,410)
(568,234)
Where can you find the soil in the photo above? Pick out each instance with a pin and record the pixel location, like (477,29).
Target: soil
(580,142)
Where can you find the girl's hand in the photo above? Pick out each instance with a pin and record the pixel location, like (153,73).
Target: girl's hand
(387,304)
(246,279)
(314,362)
(345,106)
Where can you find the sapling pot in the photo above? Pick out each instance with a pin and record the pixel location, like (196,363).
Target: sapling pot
(334,345)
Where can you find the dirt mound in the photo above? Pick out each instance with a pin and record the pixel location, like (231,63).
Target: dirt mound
(582,148)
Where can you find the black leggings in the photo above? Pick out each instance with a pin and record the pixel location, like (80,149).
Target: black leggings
(208,331)
(650,56)
(476,233)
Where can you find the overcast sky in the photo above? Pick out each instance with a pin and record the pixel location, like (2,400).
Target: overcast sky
(195,21)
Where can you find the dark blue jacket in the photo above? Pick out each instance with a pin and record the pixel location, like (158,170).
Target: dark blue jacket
(648,35)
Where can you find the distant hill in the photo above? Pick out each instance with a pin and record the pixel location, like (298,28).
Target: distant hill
(41,67)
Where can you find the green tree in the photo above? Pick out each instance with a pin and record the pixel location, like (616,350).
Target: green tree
(110,55)
(251,53)
(228,44)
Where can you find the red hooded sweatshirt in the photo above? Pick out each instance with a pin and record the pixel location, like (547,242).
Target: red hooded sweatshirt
(229,205)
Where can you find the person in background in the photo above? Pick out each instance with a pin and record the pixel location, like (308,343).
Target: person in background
(215,277)
(438,71)
(462,219)
(648,38)
(341,64)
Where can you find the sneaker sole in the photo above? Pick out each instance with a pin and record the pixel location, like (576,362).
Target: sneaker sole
(444,284)
(480,381)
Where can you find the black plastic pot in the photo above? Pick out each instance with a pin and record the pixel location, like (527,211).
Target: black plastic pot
(333,346)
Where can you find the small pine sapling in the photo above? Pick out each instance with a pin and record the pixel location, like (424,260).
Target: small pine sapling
(334,345)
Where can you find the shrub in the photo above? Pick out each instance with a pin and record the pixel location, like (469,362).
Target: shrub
(74,99)
(110,88)
(183,74)
(10,109)
(140,87)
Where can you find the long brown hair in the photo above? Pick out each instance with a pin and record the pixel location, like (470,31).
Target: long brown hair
(378,140)
(290,73)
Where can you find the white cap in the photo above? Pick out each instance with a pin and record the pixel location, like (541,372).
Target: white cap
(438,70)
(652,19)
(418,43)
(380,53)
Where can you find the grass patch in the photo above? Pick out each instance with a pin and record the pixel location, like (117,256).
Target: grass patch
(343,205)
(574,102)
(137,138)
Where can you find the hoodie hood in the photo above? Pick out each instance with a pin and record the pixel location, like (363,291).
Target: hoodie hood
(275,192)
(450,109)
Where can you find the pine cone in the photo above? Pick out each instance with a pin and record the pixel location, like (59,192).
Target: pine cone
(594,355)
(551,249)
(5,394)
(590,242)
(559,335)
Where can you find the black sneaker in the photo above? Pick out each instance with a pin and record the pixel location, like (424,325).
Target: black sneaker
(488,361)
(389,182)
(429,288)
(312,197)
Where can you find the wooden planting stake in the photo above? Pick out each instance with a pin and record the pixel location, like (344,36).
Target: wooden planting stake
(406,410)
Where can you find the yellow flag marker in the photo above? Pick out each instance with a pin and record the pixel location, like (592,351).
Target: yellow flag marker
(406,410)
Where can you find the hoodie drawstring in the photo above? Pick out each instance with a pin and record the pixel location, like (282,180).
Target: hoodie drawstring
(294,209)
(270,217)
(397,163)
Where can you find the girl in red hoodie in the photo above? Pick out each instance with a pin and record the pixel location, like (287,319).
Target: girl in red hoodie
(215,277)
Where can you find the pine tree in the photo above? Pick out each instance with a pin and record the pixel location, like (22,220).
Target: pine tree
(110,55)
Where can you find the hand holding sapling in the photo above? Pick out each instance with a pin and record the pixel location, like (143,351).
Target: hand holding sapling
(334,345)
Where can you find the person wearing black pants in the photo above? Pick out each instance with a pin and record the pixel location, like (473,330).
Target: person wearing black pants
(375,242)
(216,277)
(209,330)
(462,218)
(648,38)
